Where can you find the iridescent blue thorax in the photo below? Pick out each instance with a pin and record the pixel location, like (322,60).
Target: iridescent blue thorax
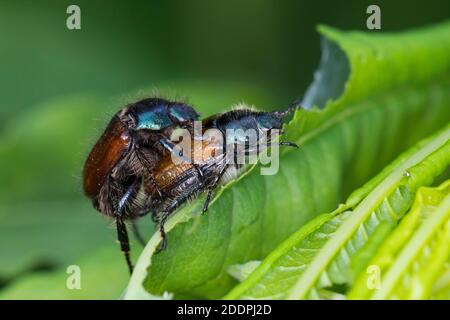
(158,114)
(156,118)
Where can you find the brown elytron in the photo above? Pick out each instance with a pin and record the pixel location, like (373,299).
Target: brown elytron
(167,174)
(105,155)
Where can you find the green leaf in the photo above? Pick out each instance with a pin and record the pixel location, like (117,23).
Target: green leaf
(397,92)
(412,258)
(241,271)
(323,257)
(287,262)
(441,288)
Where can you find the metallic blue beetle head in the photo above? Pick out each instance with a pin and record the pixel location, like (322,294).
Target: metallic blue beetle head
(158,114)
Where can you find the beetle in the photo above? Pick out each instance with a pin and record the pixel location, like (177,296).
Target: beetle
(129,148)
(182,182)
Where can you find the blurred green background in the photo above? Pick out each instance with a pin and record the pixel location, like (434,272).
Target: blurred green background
(59,87)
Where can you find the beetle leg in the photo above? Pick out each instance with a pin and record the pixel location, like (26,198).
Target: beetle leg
(207,200)
(156,186)
(142,159)
(126,196)
(170,146)
(211,189)
(163,244)
(288,144)
(199,171)
(122,236)
(165,214)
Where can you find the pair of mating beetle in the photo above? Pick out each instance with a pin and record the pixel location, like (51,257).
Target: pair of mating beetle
(130,170)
